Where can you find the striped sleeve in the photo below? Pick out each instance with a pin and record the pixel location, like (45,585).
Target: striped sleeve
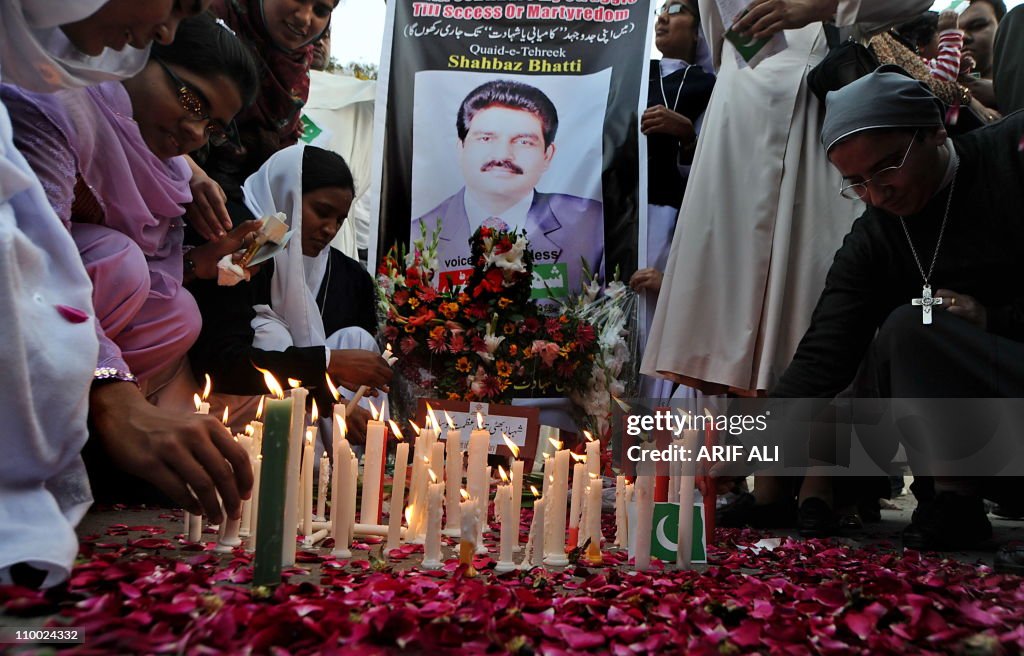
(947,65)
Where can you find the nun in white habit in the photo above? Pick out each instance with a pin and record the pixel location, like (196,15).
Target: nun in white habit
(293,317)
(49,343)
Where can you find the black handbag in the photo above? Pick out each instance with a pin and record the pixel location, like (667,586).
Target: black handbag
(845,62)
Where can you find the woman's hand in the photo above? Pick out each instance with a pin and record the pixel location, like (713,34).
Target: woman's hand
(764,18)
(662,120)
(353,368)
(356,417)
(208,211)
(649,278)
(964,306)
(189,457)
(948,20)
(205,257)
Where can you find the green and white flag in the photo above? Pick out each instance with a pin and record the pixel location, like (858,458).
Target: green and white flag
(665,528)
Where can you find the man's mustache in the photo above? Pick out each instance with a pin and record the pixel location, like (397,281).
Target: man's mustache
(503,163)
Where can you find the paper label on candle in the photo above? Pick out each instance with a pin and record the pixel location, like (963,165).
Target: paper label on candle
(665,528)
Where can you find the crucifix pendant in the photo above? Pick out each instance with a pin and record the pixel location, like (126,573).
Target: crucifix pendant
(926,302)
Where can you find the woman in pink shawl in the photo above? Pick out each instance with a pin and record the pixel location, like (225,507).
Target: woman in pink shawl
(117,179)
(45,295)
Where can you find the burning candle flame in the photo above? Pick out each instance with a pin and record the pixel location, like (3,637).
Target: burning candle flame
(259,408)
(578,457)
(334,390)
(433,476)
(625,407)
(249,430)
(588,435)
(343,427)
(314,414)
(309,437)
(479,420)
(207,387)
(431,417)
(388,348)
(272,384)
(408,515)
(415,427)
(512,446)
(197,401)
(555,443)
(224,419)
(373,410)
(394,429)
(464,494)
(449,420)
(504,476)
(293,383)
(536,492)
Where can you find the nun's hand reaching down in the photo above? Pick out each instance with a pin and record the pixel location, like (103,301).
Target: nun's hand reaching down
(353,368)
(764,18)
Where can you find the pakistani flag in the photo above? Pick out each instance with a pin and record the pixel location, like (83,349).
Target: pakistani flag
(665,528)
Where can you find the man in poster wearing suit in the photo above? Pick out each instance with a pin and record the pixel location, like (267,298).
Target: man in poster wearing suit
(506,135)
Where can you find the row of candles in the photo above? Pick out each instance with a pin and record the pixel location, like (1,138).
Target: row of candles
(285,493)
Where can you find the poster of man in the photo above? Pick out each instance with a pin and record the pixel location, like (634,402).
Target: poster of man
(505,134)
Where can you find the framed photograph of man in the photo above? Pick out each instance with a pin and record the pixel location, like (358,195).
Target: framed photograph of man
(511,151)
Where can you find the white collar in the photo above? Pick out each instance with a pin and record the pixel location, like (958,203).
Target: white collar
(514,216)
(670,66)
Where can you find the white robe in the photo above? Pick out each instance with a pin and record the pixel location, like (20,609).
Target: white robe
(762,217)
(47,359)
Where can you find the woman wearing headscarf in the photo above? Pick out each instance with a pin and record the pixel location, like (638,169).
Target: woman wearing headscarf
(115,175)
(678,92)
(281,34)
(308,312)
(45,295)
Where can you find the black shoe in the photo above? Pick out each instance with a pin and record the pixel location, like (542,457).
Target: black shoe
(745,511)
(1010,559)
(949,522)
(816,519)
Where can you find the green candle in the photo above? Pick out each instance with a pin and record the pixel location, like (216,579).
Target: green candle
(269,539)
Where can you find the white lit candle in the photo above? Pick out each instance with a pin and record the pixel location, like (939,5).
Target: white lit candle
(373,468)
(292,489)
(324,483)
(435,505)
(453,480)
(477,472)
(644,489)
(593,455)
(503,498)
(554,541)
(397,491)
(593,520)
(579,483)
(534,555)
(621,528)
(307,486)
(469,513)
(257,469)
(684,541)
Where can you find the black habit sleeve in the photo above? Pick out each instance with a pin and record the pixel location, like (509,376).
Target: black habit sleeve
(224,348)
(844,321)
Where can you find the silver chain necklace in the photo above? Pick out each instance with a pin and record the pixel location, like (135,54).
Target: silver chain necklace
(661,80)
(927,301)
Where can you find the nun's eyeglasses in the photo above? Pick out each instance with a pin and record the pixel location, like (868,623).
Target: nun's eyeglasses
(883,178)
(671,10)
